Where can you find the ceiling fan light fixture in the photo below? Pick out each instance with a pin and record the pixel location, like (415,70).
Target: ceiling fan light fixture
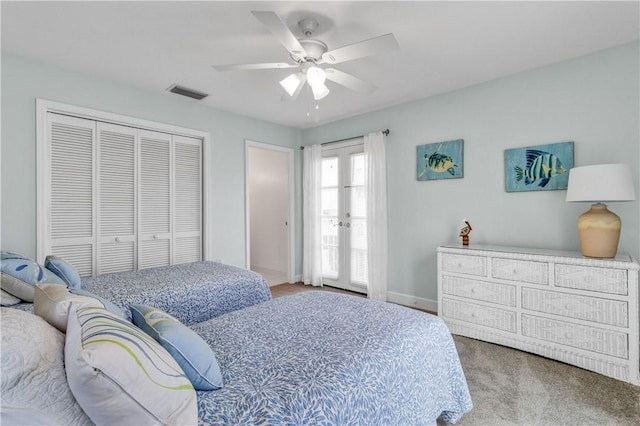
(316,77)
(319,91)
(291,84)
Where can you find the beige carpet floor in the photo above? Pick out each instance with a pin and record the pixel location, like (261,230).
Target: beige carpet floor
(511,387)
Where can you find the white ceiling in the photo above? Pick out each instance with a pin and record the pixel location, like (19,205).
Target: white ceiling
(444,46)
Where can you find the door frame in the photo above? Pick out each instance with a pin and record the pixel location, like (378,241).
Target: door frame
(291,210)
(44,107)
(344,150)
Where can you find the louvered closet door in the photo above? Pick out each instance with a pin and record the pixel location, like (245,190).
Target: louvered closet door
(71,210)
(154,204)
(116,198)
(187,217)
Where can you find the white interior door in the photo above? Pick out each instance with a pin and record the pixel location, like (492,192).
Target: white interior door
(155,204)
(116,198)
(344,218)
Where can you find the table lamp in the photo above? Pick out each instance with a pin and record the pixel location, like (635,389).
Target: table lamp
(598,228)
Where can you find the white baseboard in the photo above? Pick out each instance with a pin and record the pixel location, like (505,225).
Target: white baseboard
(297,278)
(412,301)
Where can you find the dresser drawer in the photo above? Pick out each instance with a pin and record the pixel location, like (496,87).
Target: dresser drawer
(501,294)
(520,270)
(604,311)
(613,281)
(471,265)
(578,336)
(476,314)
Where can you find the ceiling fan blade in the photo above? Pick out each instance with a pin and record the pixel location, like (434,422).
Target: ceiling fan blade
(279,29)
(244,67)
(361,49)
(349,81)
(287,98)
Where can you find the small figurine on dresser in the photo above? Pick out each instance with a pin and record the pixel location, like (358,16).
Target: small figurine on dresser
(464,233)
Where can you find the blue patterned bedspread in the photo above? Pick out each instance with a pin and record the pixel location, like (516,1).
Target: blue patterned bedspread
(325,358)
(191,292)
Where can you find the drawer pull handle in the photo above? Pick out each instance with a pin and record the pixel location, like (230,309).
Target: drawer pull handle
(117,239)
(515,272)
(568,335)
(473,290)
(473,315)
(588,279)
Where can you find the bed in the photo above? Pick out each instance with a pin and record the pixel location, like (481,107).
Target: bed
(325,358)
(191,292)
(311,358)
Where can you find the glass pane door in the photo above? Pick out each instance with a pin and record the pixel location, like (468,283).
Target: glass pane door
(357,217)
(344,218)
(330,235)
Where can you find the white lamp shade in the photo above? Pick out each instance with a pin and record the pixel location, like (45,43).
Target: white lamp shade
(291,84)
(319,91)
(316,76)
(601,183)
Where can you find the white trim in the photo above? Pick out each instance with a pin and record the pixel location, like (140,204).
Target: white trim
(291,226)
(412,301)
(206,190)
(43,107)
(42,153)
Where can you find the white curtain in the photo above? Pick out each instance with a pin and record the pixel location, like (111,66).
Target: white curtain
(374,147)
(312,240)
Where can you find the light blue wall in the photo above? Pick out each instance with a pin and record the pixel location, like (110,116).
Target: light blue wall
(24,80)
(592,100)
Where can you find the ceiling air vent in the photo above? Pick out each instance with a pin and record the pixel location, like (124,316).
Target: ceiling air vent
(190,93)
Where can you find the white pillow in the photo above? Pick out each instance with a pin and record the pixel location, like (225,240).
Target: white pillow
(120,375)
(7,299)
(52,303)
(34,385)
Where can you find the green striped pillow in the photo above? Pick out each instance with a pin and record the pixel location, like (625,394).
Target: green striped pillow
(120,375)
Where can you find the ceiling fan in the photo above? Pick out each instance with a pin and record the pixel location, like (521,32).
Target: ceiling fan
(307,54)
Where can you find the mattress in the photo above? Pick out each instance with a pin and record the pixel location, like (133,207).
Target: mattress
(191,292)
(326,358)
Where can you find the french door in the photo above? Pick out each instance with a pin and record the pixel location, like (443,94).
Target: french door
(344,218)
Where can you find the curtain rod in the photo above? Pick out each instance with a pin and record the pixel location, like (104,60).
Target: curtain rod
(384,132)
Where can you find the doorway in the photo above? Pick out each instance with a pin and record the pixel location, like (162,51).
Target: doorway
(269,211)
(344,218)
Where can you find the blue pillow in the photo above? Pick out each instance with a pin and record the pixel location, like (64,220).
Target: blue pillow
(20,274)
(64,270)
(108,305)
(190,351)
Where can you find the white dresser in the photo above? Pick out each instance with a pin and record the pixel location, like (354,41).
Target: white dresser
(557,304)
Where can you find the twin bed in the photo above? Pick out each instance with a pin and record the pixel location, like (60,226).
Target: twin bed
(312,358)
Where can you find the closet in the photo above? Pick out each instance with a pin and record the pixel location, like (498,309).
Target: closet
(118,197)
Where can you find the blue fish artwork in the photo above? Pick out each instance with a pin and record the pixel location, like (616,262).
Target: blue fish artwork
(541,166)
(440,160)
(538,168)
(440,163)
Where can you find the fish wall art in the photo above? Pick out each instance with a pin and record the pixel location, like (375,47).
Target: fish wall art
(538,168)
(442,160)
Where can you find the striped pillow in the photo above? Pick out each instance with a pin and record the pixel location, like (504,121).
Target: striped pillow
(120,375)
